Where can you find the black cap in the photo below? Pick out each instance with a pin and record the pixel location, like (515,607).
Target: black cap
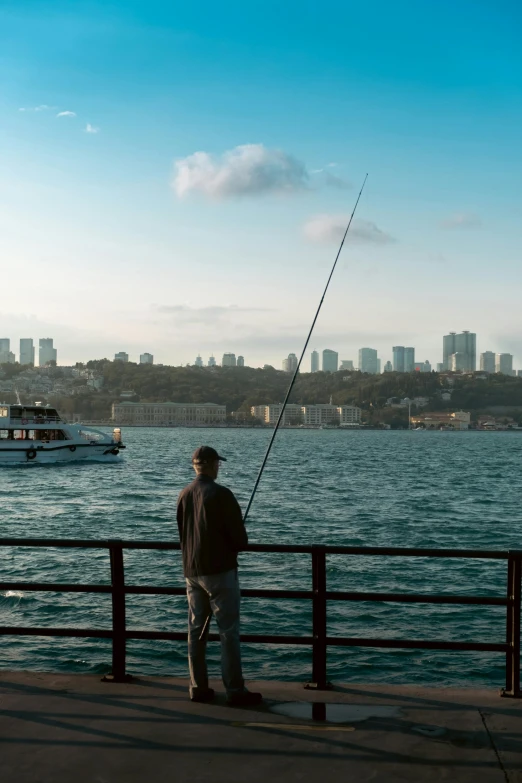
(205,454)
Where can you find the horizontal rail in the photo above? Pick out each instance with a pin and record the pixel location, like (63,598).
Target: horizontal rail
(331,595)
(478,554)
(332,641)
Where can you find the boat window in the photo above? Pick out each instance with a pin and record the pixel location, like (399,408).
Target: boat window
(4,412)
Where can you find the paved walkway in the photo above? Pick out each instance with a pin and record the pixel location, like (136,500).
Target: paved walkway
(76,729)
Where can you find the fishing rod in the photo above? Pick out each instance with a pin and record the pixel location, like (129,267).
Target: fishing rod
(292,382)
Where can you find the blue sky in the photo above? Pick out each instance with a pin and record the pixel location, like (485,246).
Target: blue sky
(115,235)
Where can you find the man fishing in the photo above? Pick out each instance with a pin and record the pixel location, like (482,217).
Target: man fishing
(211,532)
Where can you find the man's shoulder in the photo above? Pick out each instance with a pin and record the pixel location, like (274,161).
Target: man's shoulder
(224,492)
(186,490)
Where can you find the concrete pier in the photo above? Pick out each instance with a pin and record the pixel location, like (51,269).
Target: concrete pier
(58,728)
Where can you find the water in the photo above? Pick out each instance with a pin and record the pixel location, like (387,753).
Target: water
(415,489)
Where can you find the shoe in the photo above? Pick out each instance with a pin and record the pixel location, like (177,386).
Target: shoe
(202,696)
(245,699)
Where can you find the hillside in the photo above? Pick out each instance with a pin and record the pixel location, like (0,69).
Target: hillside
(241,387)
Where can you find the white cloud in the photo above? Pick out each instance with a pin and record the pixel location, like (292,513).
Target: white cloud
(91,129)
(330,228)
(461,220)
(42,107)
(247,170)
(66,114)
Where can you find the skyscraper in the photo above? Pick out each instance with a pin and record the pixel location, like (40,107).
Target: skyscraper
(211,362)
(504,363)
(6,357)
(240,361)
(314,362)
(398,358)
(228,360)
(409,359)
(330,360)
(346,364)
(146,358)
(290,363)
(198,362)
(458,362)
(368,361)
(464,343)
(26,351)
(388,367)
(121,356)
(47,353)
(487,361)
(403,358)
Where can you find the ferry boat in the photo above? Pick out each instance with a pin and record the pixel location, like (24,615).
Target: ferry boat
(37,434)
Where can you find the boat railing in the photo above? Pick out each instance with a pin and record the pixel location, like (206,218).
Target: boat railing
(25,420)
(319,640)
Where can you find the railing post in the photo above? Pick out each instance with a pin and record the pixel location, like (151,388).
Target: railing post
(514,591)
(118,615)
(319,681)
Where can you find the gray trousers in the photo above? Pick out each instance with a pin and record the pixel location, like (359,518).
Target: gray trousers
(219,595)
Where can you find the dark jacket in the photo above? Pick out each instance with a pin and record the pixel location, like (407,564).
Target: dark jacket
(211,529)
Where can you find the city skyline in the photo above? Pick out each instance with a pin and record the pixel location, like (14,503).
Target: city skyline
(175,176)
(454,360)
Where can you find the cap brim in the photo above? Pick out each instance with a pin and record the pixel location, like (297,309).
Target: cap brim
(223,459)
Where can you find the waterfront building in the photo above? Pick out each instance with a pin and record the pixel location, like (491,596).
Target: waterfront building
(458,420)
(26,351)
(47,353)
(347,364)
(464,343)
(487,361)
(349,415)
(312,415)
(316,415)
(314,361)
(121,356)
(240,361)
(228,360)
(211,362)
(290,363)
(146,358)
(330,360)
(198,362)
(368,361)
(388,367)
(504,363)
(269,414)
(156,414)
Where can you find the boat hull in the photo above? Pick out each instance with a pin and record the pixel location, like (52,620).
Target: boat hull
(46,455)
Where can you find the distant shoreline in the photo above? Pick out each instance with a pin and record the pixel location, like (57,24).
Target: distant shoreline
(363,428)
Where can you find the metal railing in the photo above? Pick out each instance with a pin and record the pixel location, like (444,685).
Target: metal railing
(319,595)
